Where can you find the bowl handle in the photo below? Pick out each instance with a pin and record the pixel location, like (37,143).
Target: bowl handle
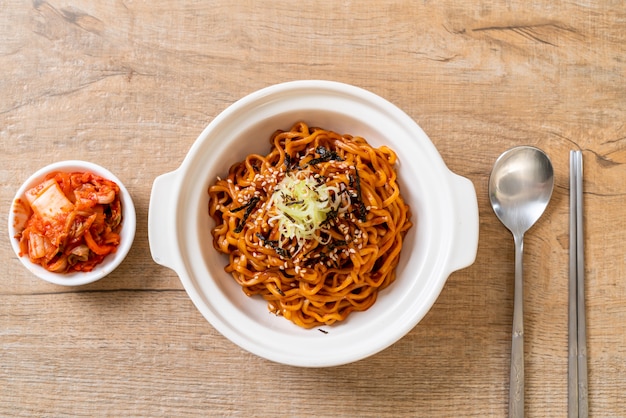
(465,239)
(161,220)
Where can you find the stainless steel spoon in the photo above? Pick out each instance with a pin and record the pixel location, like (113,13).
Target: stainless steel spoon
(520,187)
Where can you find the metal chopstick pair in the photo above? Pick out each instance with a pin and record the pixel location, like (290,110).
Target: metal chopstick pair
(577,363)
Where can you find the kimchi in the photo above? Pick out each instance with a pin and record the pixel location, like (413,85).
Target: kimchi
(72,221)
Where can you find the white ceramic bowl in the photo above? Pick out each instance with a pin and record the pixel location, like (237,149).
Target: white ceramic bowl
(110,262)
(444,237)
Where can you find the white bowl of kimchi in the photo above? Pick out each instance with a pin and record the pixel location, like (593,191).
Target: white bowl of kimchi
(236,249)
(72,223)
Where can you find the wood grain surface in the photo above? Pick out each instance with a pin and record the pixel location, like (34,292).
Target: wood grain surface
(131,84)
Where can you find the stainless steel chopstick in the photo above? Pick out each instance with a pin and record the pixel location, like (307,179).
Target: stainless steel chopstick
(580,292)
(572,342)
(577,371)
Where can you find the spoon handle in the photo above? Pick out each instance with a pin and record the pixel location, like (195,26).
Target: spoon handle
(516,383)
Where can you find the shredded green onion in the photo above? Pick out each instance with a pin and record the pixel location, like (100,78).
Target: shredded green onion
(302,204)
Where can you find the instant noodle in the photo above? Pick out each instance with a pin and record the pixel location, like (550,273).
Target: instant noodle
(315,227)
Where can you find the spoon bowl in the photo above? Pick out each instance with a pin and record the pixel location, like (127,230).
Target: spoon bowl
(520,188)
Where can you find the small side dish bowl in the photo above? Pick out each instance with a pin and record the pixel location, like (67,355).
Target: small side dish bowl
(111,261)
(443,239)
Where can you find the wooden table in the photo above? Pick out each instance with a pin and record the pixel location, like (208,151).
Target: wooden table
(131,84)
